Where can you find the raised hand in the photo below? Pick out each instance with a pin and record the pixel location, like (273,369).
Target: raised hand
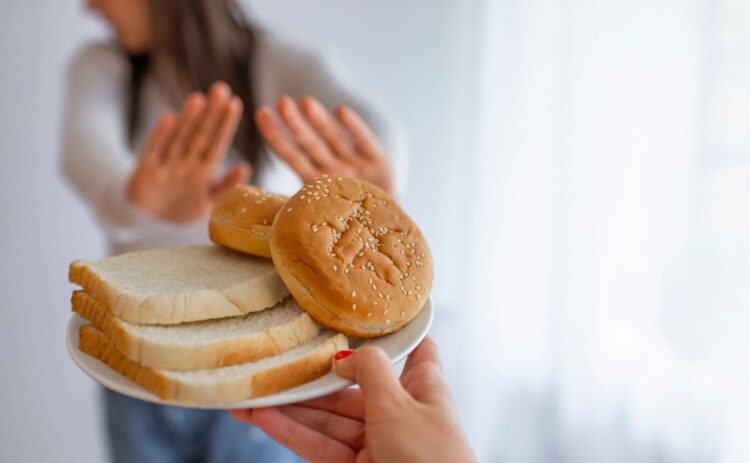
(315,142)
(174,176)
(384,421)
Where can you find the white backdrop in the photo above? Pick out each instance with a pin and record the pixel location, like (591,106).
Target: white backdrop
(611,267)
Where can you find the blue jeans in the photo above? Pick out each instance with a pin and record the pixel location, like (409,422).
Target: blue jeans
(145,432)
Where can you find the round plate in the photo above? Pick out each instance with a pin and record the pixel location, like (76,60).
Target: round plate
(397,345)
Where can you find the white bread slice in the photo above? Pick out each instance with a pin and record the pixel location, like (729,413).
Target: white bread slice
(176,285)
(226,385)
(205,344)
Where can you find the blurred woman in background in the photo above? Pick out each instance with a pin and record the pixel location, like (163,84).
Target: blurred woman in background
(155,130)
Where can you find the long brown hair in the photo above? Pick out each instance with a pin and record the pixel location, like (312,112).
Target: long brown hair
(194,44)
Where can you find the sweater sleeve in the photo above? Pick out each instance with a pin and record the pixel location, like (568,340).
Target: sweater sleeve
(96,159)
(287,69)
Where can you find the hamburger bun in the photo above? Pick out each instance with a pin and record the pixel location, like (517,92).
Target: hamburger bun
(351,257)
(241,219)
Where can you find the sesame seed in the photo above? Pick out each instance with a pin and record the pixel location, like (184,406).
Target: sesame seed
(335,268)
(375,303)
(387,320)
(354,294)
(243,209)
(386,311)
(403,314)
(354,306)
(369,314)
(289,209)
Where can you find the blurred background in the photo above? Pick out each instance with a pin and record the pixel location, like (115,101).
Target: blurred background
(581,170)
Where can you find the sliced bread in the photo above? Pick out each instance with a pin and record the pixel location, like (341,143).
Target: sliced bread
(204,344)
(224,385)
(176,285)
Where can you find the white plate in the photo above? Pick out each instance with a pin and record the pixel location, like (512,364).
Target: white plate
(397,345)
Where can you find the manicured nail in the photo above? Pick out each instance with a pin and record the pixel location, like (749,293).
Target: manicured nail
(342,354)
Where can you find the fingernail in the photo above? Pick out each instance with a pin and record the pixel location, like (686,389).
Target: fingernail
(342,354)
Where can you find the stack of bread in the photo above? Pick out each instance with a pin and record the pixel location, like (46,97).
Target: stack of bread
(212,325)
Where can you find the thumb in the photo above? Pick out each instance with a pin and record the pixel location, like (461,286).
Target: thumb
(236,175)
(371,368)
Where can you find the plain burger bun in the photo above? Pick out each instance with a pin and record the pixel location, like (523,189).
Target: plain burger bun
(241,219)
(351,257)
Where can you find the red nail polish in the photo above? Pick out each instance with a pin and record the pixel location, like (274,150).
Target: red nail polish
(342,354)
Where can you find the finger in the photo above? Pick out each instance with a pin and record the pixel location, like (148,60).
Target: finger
(360,132)
(283,145)
(189,117)
(364,456)
(223,135)
(304,134)
(244,415)
(236,175)
(426,351)
(307,443)
(371,368)
(341,428)
(328,128)
(348,402)
(423,374)
(164,129)
(219,96)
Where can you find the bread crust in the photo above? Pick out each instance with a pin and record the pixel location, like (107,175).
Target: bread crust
(241,219)
(252,295)
(352,257)
(178,355)
(172,388)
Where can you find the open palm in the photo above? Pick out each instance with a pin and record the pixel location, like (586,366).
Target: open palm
(314,142)
(174,178)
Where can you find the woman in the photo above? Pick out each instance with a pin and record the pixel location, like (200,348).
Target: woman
(150,171)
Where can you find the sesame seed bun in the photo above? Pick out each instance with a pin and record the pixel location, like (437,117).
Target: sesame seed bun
(352,258)
(241,219)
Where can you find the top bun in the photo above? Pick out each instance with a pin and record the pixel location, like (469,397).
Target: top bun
(352,258)
(241,219)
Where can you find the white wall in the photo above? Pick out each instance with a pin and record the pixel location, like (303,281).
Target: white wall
(48,407)
(412,55)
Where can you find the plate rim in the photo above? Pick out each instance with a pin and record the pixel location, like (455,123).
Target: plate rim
(125,385)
